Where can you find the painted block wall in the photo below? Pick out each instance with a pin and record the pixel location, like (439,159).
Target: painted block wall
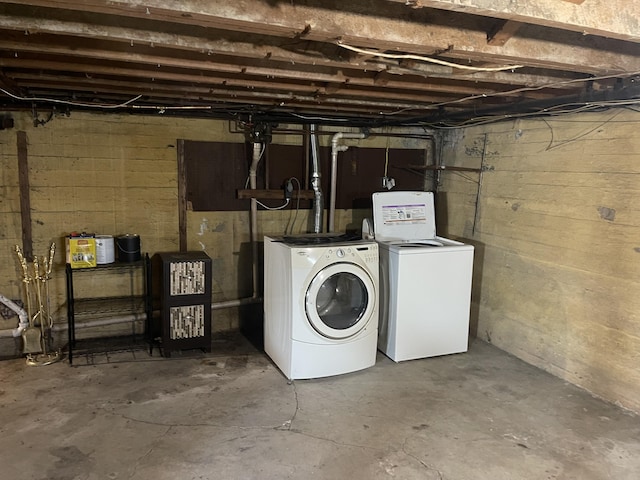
(115,174)
(556,228)
(106,174)
(557,236)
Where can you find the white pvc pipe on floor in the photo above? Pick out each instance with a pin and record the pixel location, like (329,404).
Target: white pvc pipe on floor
(116,320)
(22,316)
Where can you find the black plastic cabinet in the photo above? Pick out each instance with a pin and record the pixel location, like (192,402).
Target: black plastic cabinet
(181,286)
(93,308)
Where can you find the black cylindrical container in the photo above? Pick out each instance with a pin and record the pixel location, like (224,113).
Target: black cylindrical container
(128,247)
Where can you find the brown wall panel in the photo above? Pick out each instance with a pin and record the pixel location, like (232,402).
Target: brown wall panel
(214,172)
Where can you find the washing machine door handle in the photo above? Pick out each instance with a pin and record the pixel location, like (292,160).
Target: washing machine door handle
(340,300)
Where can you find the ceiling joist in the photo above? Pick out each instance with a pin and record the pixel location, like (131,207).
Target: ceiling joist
(382,60)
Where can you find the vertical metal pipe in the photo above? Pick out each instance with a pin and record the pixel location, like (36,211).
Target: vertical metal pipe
(318,204)
(335,148)
(254,216)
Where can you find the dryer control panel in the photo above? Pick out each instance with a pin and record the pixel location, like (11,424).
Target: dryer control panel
(369,253)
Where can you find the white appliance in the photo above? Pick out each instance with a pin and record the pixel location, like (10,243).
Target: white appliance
(425,280)
(320,306)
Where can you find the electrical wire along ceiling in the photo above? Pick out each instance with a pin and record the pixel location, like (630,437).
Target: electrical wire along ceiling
(366,63)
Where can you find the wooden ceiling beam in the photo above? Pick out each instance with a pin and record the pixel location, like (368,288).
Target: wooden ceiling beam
(155,80)
(287,56)
(167,96)
(150,75)
(215,71)
(192,98)
(607,18)
(549,60)
(164,57)
(142,38)
(348,100)
(363,87)
(91,74)
(502,32)
(200,85)
(9,84)
(406,34)
(554,79)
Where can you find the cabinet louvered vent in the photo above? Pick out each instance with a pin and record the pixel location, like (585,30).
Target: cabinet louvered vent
(182,293)
(187,322)
(187,278)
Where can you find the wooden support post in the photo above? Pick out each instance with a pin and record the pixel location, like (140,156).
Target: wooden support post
(182,197)
(25,198)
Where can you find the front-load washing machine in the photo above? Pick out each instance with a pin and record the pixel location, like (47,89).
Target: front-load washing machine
(320,306)
(425,280)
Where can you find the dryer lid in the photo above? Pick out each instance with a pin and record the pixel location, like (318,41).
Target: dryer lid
(403,216)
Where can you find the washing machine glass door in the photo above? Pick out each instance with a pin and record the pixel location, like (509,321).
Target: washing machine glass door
(340,300)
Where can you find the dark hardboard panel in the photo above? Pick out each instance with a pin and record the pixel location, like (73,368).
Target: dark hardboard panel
(214,173)
(216,170)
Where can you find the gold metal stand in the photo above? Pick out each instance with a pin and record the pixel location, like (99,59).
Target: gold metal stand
(37,336)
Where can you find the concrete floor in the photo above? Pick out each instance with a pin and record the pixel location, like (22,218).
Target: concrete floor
(232,415)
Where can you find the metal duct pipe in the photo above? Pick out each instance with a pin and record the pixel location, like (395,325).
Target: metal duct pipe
(254,215)
(318,204)
(335,148)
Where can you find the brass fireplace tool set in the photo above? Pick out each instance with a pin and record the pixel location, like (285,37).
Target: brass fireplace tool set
(37,336)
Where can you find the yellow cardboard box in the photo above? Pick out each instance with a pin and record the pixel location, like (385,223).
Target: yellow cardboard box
(81,251)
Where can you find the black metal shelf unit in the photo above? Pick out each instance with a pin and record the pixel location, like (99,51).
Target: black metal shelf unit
(93,308)
(181,286)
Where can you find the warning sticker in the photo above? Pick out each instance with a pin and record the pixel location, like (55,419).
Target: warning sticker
(404,214)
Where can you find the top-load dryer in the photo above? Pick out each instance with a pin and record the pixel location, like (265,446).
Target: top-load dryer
(425,280)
